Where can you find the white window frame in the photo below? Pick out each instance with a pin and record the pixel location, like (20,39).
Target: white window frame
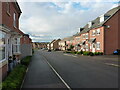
(93,32)
(98,32)
(87,47)
(86,35)
(3,46)
(16,45)
(98,43)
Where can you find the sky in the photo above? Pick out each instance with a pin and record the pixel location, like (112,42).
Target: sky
(45,20)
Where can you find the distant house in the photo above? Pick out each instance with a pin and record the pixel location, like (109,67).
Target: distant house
(63,44)
(54,45)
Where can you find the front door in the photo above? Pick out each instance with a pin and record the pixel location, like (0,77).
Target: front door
(93,47)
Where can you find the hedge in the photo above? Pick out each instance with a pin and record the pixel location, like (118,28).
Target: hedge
(85,53)
(25,61)
(15,78)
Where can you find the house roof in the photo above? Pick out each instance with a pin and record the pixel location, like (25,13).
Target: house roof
(96,22)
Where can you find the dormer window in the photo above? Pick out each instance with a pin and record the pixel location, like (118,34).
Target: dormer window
(89,24)
(103,18)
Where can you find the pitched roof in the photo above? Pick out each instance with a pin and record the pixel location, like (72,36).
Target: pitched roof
(96,22)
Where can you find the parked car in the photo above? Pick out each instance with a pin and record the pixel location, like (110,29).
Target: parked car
(116,52)
(49,50)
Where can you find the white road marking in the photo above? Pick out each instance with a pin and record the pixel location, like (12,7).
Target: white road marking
(57,74)
(70,55)
(111,64)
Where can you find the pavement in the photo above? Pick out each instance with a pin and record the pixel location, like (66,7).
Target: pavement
(76,71)
(40,75)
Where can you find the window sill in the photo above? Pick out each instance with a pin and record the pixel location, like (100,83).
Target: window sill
(3,62)
(98,49)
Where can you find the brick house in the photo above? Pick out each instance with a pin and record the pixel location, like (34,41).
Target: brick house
(104,32)
(55,44)
(12,40)
(9,34)
(99,35)
(50,45)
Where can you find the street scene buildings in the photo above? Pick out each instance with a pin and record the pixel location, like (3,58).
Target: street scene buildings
(37,60)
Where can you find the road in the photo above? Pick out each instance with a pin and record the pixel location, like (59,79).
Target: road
(75,71)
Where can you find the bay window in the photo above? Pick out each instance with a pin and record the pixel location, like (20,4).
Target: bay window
(2,45)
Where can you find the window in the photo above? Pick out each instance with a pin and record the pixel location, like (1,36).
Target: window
(2,46)
(16,45)
(83,36)
(93,33)
(8,8)
(98,45)
(98,32)
(14,19)
(86,47)
(86,36)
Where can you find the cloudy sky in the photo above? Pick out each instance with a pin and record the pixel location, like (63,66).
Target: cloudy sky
(53,19)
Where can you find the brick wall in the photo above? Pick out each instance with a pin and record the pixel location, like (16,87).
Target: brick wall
(112,34)
(99,38)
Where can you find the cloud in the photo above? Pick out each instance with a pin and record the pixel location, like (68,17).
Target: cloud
(52,20)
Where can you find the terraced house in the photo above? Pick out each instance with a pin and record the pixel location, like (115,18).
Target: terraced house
(10,35)
(101,34)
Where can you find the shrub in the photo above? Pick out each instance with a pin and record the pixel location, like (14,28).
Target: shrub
(25,61)
(100,53)
(78,53)
(96,53)
(86,53)
(15,78)
(91,54)
(68,49)
(81,52)
(73,52)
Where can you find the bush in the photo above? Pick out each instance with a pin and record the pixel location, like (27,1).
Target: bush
(15,78)
(73,52)
(86,53)
(25,61)
(78,53)
(68,49)
(91,54)
(81,52)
